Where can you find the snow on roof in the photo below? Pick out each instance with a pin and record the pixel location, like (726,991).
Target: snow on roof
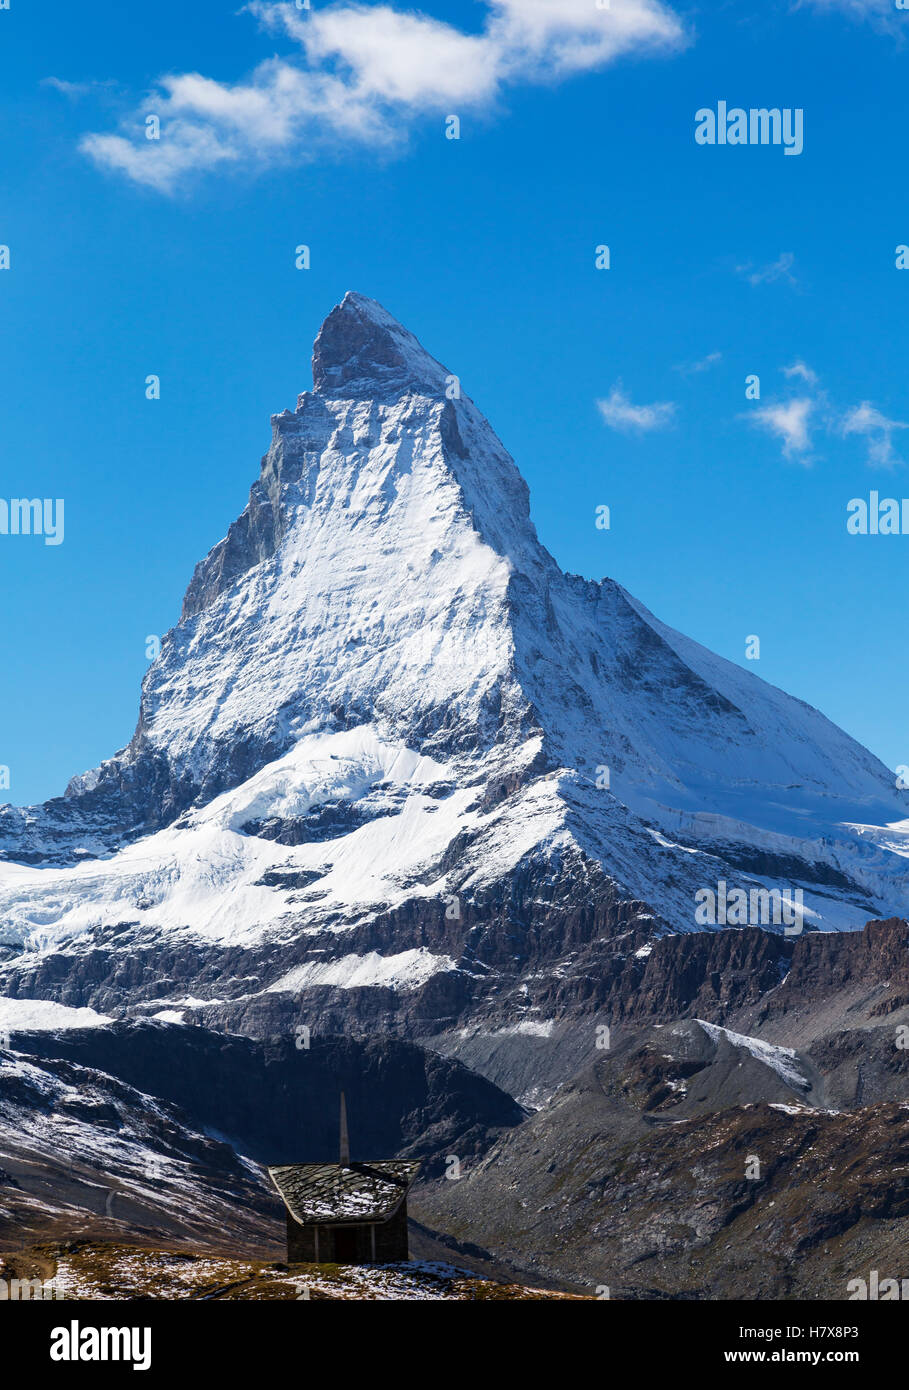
(321,1193)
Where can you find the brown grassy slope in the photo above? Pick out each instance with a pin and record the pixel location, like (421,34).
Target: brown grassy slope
(96,1270)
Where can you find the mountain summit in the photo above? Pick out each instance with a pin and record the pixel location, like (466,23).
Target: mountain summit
(362,351)
(390,744)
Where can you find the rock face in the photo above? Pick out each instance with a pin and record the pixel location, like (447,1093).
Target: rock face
(83,1152)
(872,965)
(840,997)
(692,1162)
(277,1102)
(394,767)
(742,1132)
(157,1131)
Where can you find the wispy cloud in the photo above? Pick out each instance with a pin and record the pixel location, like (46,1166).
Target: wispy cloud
(780,269)
(866,420)
(77,89)
(882,14)
(796,420)
(620,414)
(802,371)
(704,364)
(363,74)
(789,421)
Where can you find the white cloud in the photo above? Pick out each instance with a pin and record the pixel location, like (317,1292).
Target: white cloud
(557,37)
(76,89)
(780,269)
(802,371)
(704,364)
(881,13)
(793,421)
(788,420)
(69,89)
(620,414)
(866,420)
(364,73)
(205,123)
(391,55)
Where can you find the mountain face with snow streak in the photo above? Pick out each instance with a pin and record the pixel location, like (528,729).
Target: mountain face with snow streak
(369,766)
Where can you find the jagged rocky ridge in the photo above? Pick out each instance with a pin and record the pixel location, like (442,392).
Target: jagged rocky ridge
(364,779)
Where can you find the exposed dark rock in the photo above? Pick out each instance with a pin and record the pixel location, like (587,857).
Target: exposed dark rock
(277,1100)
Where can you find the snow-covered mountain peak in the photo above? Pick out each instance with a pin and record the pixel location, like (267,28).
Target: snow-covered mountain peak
(376,387)
(361,350)
(384,696)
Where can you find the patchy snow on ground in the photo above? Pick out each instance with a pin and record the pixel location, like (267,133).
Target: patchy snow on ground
(115,1273)
(782,1060)
(406,970)
(28,1015)
(528,1027)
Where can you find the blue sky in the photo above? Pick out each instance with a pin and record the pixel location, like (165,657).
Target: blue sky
(176,258)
